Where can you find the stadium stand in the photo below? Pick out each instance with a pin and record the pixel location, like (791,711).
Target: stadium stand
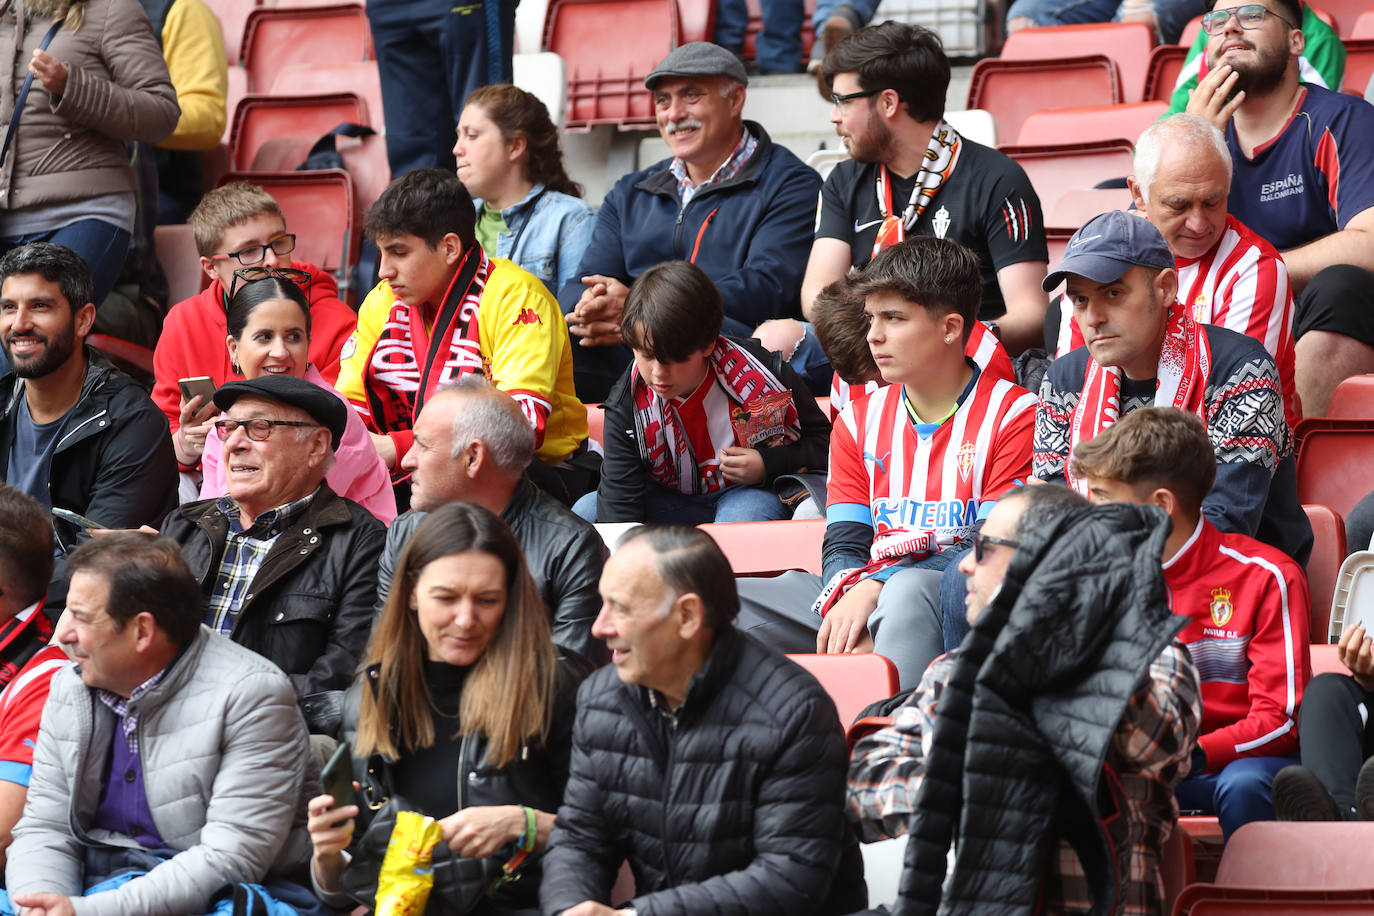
(275,133)
(853,681)
(1364,26)
(1074,208)
(769,548)
(1333,462)
(1055,170)
(606,79)
(233,17)
(1128,44)
(1012,90)
(358,77)
(176,252)
(1324,566)
(1166,63)
(1089,125)
(1353,397)
(1359,64)
(1354,590)
(275,39)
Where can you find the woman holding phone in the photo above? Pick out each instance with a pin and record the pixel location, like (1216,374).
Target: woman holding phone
(461,677)
(269,333)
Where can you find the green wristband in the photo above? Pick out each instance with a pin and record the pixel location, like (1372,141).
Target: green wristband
(531,830)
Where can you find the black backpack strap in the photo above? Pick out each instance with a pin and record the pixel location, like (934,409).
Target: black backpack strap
(325,154)
(24,95)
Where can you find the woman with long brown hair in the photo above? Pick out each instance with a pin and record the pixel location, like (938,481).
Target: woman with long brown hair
(463,712)
(528,210)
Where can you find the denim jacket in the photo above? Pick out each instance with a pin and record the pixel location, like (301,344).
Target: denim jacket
(546,235)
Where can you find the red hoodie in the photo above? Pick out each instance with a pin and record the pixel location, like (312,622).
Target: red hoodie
(193,333)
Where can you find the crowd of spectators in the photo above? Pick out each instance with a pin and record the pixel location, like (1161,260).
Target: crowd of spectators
(334,593)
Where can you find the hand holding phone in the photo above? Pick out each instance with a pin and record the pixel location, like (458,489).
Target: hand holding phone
(337,776)
(73,518)
(201,385)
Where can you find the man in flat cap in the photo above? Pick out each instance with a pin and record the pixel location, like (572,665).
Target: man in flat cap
(729,200)
(288,567)
(1144,348)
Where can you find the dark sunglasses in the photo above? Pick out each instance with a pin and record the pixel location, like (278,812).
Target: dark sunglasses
(300,278)
(979,539)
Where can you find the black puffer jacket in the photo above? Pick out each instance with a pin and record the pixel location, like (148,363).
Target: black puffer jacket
(731,805)
(1028,714)
(309,608)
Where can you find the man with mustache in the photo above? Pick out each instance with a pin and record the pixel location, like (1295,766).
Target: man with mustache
(730,200)
(75,433)
(1301,180)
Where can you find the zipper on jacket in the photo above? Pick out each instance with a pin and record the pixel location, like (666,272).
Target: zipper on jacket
(701,232)
(76,429)
(667,783)
(677,229)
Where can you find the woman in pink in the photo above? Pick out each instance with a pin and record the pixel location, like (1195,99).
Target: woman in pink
(269,332)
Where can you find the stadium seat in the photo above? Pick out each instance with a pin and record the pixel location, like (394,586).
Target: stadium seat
(366,162)
(596,422)
(1177,867)
(606,78)
(768,548)
(233,17)
(1013,89)
(853,681)
(135,359)
(1190,32)
(237,89)
(1364,26)
(1089,125)
(697,20)
(358,77)
(1053,170)
(1324,566)
(274,39)
(751,32)
(1354,598)
(825,160)
(975,124)
(175,247)
(1295,855)
(1342,15)
(543,75)
(1334,466)
(1324,659)
(1056,240)
(275,133)
(1074,208)
(1126,43)
(1166,62)
(1354,397)
(1359,65)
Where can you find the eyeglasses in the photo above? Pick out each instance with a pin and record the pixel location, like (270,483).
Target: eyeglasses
(979,539)
(1250,16)
(838,100)
(252,274)
(257,428)
(253,254)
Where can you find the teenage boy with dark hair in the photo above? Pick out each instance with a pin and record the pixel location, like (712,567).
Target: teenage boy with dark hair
(1247,603)
(701,425)
(443,310)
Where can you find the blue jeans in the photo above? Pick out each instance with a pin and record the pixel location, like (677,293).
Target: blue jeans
(1171,15)
(663,506)
(779,44)
(953,610)
(862,12)
(1237,795)
(102,246)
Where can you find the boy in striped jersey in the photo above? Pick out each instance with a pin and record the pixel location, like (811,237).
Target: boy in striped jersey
(913,466)
(1247,602)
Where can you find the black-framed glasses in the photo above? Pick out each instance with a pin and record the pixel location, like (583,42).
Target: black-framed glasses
(1250,16)
(253,254)
(257,428)
(838,100)
(979,539)
(252,274)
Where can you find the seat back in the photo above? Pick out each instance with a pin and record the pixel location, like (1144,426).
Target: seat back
(853,681)
(1092,124)
(1324,566)
(318,207)
(768,548)
(1334,466)
(606,78)
(596,422)
(1166,63)
(1190,32)
(233,19)
(1128,44)
(1342,15)
(543,75)
(1076,207)
(1211,900)
(975,124)
(275,133)
(1359,64)
(1176,866)
(1354,598)
(1297,855)
(1325,660)
(1364,26)
(359,77)
(176,252)
(275,39)
(1014,89)
(1054,170)
(236,91)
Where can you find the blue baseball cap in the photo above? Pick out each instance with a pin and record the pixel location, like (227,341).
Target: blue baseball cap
(1107,246)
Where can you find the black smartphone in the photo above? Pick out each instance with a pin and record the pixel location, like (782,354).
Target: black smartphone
(337,776)
(80,521)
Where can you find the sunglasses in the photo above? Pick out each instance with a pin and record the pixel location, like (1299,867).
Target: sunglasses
(1250,16)
(259,429)
(300,278)
(979,539)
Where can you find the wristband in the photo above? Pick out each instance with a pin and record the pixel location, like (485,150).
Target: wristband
(531,830)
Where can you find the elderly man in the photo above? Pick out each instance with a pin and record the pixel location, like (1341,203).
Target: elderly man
(730,200)
(1145,348)
(167,750)
(286,565)
(714,765)
(1091,587)
(1301,181)
(472,444)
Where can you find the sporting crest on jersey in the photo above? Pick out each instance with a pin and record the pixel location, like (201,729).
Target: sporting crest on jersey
(1221,607)
(1201,308)
(940,222)
(967,451)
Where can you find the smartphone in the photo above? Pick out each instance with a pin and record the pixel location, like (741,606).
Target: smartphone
(76,519)
(201,385)
(337,776)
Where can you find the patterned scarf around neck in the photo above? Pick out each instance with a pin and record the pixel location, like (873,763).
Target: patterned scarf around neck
(941,156)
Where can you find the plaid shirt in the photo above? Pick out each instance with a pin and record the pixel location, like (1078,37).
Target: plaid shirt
(1149,753)
(728,169)
(244,551)
(129,721)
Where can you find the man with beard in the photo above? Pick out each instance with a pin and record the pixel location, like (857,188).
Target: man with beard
(912,174)
(75,433)
(1300,181)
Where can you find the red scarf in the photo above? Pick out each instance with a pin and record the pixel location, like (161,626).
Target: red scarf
(662,436)
(1181,382)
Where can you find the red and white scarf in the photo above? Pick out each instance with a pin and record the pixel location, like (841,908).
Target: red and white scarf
(941,156)
(660,430)
(1181,381)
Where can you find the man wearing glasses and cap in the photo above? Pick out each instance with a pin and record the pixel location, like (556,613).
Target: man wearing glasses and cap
(1303,180)
(288,567)
(1145,348)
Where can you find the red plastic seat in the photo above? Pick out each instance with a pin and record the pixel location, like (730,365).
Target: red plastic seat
(275,133)
(1324,566)
(1325,660)
(236,92)
(1053,170)
(606,78)
(1177,867)
(853,681)
(175,247)
(768,548)
(1342,15)
(318,207)
(697,20)
(127,355)
(1364,26)
(1326,855)
(1354,397)
(1089,125)
(1334,466)
(358,77)
(1359,65)
(1166,63)
(1011,90)
(275,39)
(1074,208)
(1190,32)
(366,162)
(596,422)
(1128,44)
(233,17)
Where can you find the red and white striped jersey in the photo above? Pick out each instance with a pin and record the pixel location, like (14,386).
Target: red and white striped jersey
(983,348)
(921,487)
(1242,285)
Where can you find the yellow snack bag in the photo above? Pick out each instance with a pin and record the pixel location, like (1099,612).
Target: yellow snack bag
(406,878)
